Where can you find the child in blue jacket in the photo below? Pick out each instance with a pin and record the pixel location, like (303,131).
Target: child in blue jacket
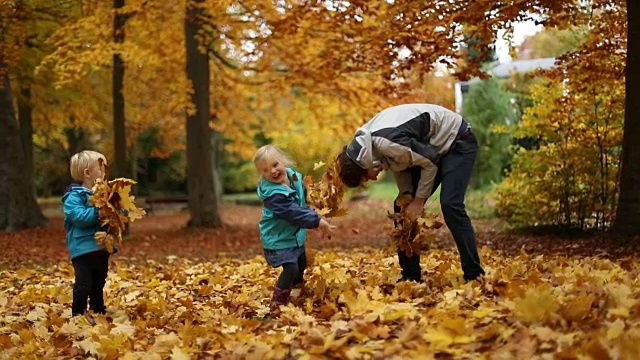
(285,218)
(81,222)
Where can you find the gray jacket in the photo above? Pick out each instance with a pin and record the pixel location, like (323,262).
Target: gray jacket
(405,136)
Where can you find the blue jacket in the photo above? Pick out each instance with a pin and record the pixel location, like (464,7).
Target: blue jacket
(81,221)
(285,215)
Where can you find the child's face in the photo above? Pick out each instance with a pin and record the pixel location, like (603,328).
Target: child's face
(272,170)
(93,173)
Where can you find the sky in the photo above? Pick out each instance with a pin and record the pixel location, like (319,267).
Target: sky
(521,30)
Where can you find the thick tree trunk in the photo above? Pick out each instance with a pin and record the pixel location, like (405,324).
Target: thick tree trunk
(119,168)
(628,211)
(203,205)
(18,206)
(25,120)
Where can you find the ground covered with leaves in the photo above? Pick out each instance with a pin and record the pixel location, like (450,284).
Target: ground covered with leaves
(178,293)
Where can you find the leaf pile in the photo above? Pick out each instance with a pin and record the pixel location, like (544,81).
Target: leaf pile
(412,236)
(527,308)
(117,208)
(326,195)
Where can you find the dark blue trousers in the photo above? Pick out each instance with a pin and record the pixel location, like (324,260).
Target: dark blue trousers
(454,172)
(90,277)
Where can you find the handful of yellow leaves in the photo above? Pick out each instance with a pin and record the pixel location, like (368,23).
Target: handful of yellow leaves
(116,208)
(412,237)
(326,195)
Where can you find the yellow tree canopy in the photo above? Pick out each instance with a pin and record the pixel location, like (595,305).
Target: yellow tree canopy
(336,62)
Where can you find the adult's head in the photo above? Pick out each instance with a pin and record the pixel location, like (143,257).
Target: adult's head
(353,174)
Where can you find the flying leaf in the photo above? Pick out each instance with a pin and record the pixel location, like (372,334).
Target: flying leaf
(318,165)
(326,195)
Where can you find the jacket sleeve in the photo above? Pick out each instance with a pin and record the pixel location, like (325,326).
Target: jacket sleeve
(78,213)
(404,182)
(405,152)
(286,208)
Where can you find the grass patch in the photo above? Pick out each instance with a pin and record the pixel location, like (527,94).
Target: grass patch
(480,203)
(383,190)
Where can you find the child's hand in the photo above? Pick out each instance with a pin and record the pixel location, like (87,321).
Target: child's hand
(326,228)
(103,212)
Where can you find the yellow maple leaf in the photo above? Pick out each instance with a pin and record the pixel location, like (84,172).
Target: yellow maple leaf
(615,330)
(318,165)
(107,240)
(136,214)
(538,305)
(179,354)
(117,208)
(325,196)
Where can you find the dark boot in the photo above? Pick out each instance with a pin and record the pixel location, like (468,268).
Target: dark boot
(280,297)
(404,279)
(101,311)
(411,270)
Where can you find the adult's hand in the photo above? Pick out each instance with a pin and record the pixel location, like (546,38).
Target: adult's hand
(403,200)
(415,207)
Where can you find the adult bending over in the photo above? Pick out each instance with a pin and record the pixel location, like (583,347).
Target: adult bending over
(424,146)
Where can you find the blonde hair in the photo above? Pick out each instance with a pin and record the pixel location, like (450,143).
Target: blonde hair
(271,152)
(84,160)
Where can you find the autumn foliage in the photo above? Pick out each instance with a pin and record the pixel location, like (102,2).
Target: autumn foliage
(116,208)
(305,74)
(412,236)
(527,307)
(295,73)
(571,177)
(409,235)
(326,195)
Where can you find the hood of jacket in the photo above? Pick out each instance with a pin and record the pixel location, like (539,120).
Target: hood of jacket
(266,188)
(75,188)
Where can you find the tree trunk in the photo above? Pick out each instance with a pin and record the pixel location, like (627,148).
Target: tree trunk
(628,212)
(25,121)
(216,146)
(18,206)
(119,168)
(203,205)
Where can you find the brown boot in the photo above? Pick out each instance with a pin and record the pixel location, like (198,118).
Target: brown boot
(279,297)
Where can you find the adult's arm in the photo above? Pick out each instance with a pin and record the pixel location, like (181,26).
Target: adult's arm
(406,152)
(404,182)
